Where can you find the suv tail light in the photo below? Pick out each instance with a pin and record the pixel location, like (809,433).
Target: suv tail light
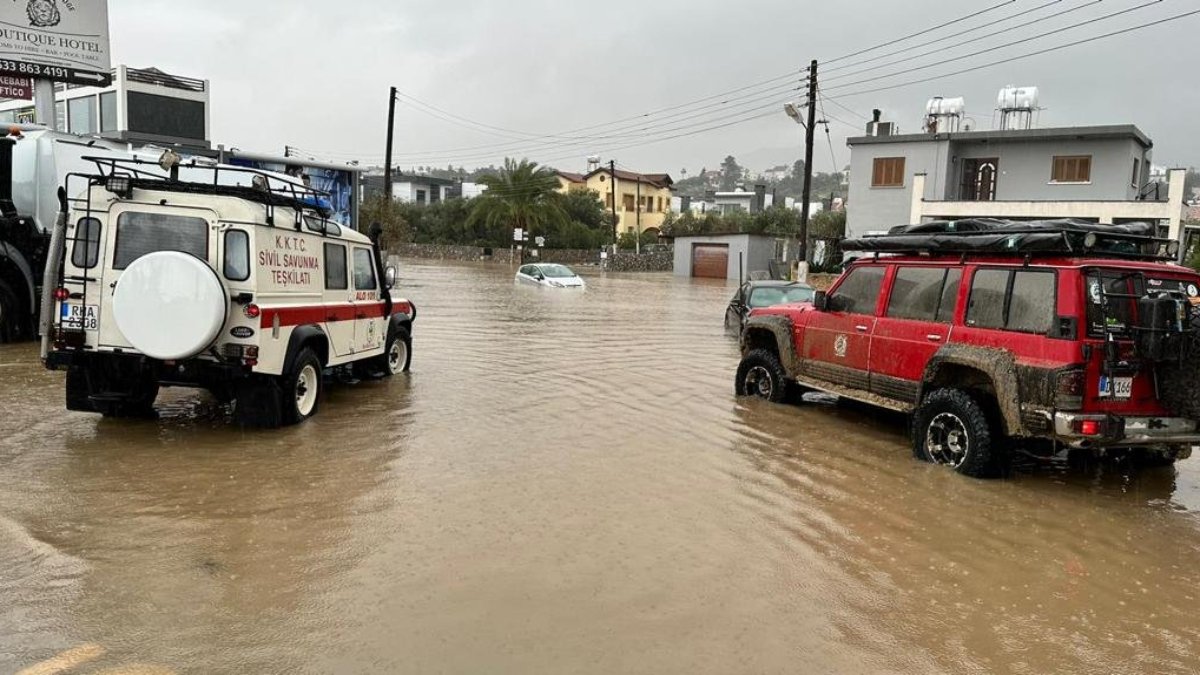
(61,294)
(252,311)
(1068,389)
(1090,427)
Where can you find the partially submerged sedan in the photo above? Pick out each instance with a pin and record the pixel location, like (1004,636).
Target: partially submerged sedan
(756,294)
(549,274)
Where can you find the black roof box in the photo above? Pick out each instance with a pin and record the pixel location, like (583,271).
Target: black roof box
(990,236)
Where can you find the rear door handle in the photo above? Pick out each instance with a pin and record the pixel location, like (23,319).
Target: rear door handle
(933,337)
(861,329)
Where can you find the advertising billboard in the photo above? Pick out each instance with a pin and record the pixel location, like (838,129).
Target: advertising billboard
(339,183)
(60,40)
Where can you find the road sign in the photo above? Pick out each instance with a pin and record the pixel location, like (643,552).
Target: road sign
(56,40)
(16,88)
(541,241)
(518,234)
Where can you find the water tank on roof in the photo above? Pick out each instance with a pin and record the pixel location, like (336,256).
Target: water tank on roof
(1018,98)
(939,106)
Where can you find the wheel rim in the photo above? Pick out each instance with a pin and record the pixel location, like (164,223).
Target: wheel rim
(307,386)
(758,382)
(947,440)
(397,356)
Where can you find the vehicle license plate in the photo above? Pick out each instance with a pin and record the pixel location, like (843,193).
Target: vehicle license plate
(1116,387)
(81,316)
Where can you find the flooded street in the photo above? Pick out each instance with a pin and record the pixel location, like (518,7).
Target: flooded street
(565,483)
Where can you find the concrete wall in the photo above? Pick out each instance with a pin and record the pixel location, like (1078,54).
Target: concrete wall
(659,261)
(747,253)
(877,209)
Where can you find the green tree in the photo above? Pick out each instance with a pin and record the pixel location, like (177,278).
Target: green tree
(390,215)
(827,225)
(731,174)
(523,195)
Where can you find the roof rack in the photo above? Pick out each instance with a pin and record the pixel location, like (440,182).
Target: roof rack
(995,237)
(265,187)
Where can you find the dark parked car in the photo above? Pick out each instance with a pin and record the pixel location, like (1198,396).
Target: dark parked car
(756,294)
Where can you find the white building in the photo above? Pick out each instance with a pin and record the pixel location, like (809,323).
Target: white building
(141,106)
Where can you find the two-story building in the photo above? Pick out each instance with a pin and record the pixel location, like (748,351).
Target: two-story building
(1098,173)
(643,199)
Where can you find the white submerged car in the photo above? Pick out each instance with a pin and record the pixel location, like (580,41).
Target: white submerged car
(547,274)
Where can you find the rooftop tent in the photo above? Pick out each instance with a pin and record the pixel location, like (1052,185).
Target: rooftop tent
(1010,237)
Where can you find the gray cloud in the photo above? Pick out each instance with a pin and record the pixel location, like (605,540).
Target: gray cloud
(315,74)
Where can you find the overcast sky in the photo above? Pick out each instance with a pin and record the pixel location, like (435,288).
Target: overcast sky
(540,74)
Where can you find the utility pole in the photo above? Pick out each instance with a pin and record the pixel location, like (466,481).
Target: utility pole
(612,179)
(387,160)
(809,130)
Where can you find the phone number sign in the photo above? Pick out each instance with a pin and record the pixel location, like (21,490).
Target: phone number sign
(60,40)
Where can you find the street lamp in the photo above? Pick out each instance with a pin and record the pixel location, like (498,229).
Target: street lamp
(793,111)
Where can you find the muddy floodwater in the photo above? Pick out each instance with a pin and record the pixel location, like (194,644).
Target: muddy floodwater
(566,484)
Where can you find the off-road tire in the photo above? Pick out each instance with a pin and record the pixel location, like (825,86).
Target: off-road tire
(1151,458)
(296,385)
(78,390)
(385,365)
(761,374)
(13,322)
(949,427)
(257,404)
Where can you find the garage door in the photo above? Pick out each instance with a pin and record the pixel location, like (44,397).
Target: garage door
(710,260)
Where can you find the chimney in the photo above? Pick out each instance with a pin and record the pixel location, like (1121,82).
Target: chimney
(873,125)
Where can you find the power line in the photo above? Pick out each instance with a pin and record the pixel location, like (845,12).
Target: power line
(946,37)
(1004,46)
(1025,56)
(923,32)
(941,49)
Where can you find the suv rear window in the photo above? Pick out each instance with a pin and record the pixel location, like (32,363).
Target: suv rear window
(141,233)
(1121,311)
(1016,300)
(859,291)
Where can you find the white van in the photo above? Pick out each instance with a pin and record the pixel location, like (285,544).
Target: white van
(245,290)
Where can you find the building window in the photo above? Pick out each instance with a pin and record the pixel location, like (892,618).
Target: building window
(629,203)
(1075,169)
(1134,179)
(108,111)
(81,115)
(888,172)
(608,201)
(420,196)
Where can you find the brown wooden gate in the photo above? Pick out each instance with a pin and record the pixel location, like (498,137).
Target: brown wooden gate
(710,261)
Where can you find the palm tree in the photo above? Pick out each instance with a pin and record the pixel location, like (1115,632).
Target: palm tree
(522,195)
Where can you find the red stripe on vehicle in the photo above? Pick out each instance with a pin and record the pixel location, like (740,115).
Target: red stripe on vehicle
(307,314)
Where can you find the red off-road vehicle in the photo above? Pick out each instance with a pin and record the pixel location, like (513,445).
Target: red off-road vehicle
(990,332)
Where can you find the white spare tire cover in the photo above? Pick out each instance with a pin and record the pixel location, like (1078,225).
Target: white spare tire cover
(170,305)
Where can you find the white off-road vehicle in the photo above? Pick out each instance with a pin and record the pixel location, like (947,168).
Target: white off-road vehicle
(227,279)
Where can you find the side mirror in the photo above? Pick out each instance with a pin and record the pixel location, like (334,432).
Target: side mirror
(389,276)
(821,301)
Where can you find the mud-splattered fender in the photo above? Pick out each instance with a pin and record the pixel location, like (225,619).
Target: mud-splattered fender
(776,331)
(952,365)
